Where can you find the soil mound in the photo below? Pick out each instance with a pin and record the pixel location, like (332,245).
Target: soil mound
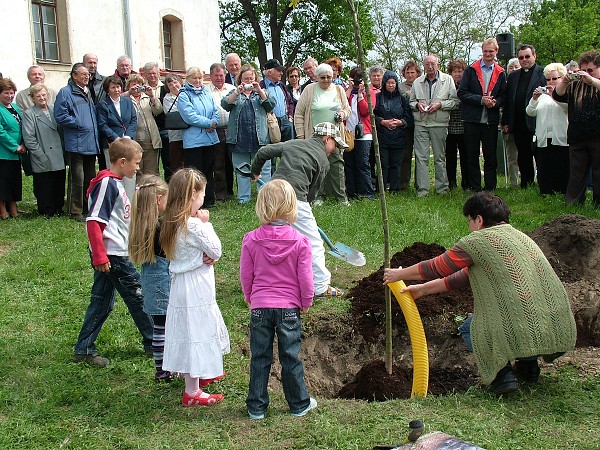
(342,354)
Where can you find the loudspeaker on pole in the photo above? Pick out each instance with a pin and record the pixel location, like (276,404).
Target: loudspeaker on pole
(506,44)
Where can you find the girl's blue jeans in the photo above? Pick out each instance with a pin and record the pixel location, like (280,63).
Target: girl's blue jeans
(264,323)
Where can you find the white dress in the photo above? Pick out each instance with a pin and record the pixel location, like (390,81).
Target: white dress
(196,337)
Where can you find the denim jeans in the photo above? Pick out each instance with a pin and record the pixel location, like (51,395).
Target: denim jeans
(264,323)
(122,277)
(244,185)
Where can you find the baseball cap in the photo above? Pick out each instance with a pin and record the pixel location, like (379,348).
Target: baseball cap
(329,129)
(274,64)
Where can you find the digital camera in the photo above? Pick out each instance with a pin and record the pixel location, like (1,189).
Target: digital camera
(141,88)
(248,86)
(573,76)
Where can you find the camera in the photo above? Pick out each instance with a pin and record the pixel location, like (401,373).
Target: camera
(359,131)
(426,108)
(248,86)
(357,80)
(573,76)
(543,90)
(337,116)
(141,88)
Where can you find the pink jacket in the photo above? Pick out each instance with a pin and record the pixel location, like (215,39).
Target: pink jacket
(276,268)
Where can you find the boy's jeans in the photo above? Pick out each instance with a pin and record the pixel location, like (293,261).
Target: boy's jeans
(264,322)
(123,277)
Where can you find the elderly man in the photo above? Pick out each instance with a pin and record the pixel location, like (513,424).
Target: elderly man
(152,76)
(35,75)
(272,83)
(223,166)
(90,61)
(124,69)
(233,63)
(482,92)
(74,110)
(309,66)
(433,96)
(519,90)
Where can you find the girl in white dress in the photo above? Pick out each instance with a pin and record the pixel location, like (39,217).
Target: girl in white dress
(195,334)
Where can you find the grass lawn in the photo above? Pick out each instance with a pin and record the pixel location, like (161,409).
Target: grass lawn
(47,401)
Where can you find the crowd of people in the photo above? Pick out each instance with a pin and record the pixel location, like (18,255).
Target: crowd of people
(314,139)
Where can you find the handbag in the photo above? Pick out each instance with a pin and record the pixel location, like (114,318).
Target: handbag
(349,139)
(173,119)
(348,136)
(273,127)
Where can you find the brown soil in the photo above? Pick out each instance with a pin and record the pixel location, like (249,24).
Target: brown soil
(343,355)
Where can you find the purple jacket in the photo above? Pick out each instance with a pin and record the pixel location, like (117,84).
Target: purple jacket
(276,268)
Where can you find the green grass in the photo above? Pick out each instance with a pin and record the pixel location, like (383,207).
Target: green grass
(46,401)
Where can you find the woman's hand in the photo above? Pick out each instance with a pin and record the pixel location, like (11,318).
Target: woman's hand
(21,149)
(415,290)
(391,275)
(537,92)
(207,259)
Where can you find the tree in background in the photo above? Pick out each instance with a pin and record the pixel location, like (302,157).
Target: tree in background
(449,28)
(293,30)
(561,30)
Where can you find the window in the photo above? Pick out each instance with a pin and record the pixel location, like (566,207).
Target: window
(172,34)
(167,44)
(45,30)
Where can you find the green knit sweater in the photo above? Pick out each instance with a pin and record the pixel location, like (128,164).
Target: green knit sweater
(521,308)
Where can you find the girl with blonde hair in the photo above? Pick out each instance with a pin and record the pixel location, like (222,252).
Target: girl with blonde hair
(149,202)
(196,337)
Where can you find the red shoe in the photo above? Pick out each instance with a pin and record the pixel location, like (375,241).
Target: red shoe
(196,400)
(206,381)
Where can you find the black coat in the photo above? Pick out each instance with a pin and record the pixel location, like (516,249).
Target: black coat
(537,79)
(470,93)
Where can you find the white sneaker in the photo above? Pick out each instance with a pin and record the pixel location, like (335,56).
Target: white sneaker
(317,202)
(256,416)
(312,405)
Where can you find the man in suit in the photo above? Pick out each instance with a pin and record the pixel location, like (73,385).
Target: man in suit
(233,64)
(520,86)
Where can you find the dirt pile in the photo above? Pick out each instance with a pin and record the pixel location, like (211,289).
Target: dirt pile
(343,358)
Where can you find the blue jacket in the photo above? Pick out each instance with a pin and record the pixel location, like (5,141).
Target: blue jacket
(113,126)
(261,108)
(10,133)
(75,111)
(198,109)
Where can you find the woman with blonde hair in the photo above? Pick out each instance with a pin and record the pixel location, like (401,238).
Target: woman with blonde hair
(198,109)
(146,134)
(321,102)
(551,121)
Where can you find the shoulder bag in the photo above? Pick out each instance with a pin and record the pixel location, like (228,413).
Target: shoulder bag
(173,119)
(273,127)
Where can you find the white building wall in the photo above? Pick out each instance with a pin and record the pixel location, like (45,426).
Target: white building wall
(97,26)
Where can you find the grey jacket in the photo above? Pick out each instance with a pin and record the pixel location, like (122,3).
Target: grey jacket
(41,137)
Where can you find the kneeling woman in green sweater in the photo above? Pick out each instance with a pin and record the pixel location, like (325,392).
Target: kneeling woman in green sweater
(521,309)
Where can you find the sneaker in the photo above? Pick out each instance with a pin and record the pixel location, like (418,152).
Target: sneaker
(164,376)
(330,292)
(318,202)
(527,370)
(345,203)
(258,416)
(312,405)
(505,382)
(92,360)
(196,400)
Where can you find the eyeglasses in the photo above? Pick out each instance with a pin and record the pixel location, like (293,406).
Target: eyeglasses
(590,70)
(553,78)
(525,56)
(325,77)
(293,76)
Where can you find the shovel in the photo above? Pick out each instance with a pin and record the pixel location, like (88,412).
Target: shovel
(339,250)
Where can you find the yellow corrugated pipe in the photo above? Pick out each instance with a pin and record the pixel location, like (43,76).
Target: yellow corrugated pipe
(417,339)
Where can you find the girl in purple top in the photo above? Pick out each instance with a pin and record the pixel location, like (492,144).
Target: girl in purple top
(277,280)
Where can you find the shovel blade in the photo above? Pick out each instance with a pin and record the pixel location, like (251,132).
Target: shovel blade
(348,254)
